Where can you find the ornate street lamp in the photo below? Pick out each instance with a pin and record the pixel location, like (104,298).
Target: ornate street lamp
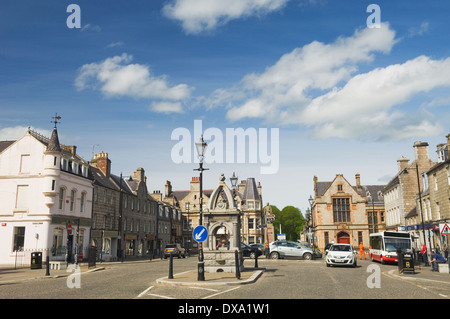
(233,180)
(311,202)
(201,149)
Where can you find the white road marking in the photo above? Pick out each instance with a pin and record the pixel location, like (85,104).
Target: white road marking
(144,292)
(222,292)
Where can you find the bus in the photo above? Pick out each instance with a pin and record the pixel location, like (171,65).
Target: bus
(384,245)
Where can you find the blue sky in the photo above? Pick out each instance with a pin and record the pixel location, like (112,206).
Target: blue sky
(346,98)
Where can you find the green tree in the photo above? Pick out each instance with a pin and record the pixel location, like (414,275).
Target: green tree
(291,220)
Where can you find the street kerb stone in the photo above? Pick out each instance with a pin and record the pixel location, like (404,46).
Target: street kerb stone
(189,278)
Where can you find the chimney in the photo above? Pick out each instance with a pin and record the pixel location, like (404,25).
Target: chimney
(139,174)
(403,163)
(156,195)
(421,151)
(358,181)
(259,188)
(102,162)
(241,186)
(195,184)
(168,188)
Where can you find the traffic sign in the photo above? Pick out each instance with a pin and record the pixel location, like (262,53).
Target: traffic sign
(200,234)
(445,229)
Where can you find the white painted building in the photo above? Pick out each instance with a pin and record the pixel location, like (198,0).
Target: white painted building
(45,200)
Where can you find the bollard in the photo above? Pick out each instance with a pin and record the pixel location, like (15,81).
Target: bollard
(47,268)
(236,258)
(171,266)
(256,259)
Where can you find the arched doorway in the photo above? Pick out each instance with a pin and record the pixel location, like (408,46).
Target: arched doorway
(343,238)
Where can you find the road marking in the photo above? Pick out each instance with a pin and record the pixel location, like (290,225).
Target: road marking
(222,292)
(161,296)
(210,289)
(145,291)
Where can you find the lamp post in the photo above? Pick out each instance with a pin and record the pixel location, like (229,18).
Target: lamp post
(308,218)
(201,149)
(311,201)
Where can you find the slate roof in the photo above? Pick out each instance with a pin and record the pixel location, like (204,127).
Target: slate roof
(251,190)
(53,143)
(374,190)
(4,145)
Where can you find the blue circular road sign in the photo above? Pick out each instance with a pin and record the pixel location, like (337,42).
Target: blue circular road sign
(200,234)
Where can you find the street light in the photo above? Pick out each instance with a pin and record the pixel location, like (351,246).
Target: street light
(311,201)
(308,218)
(201,149)
(233,180)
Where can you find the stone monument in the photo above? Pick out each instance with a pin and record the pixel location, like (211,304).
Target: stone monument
(223,221)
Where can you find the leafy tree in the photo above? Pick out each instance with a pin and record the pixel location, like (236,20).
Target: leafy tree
(291,220)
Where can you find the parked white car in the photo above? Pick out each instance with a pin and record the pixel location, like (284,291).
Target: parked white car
(342,255)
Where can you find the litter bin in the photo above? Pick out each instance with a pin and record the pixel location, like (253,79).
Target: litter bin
(36,260)
(408,262)
(405,262)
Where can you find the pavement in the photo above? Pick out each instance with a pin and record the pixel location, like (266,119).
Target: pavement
(10,275)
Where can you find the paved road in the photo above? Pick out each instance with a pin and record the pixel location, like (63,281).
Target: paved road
(281,280)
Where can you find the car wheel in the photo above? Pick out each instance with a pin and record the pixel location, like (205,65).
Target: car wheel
(252,255)
(307,256)
(328,265)
(274,256)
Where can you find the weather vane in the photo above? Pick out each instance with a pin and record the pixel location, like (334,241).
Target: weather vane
(56,119)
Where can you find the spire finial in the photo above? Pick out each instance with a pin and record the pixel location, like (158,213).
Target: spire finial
(56,119)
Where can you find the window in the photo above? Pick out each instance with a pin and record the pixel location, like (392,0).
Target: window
(373,222)
(62,194)
(250,205)
(22,197)
(339,188)
(72,199)
(19,238)
(82,201)
(341,210)
(251,223)
(25,163)
(57,244)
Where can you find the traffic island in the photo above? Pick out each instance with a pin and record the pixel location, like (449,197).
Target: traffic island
(189,278)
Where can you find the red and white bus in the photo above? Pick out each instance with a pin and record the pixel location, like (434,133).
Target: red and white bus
(384,245)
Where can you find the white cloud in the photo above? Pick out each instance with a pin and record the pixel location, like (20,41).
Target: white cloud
(167,107)
(205,15)
(116,76)
(91,27)
(115,44)
(318,86)
(16,132)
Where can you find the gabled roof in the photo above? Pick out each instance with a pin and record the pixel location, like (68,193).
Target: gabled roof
(5,144)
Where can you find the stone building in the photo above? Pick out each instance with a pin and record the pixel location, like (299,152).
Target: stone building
(436,200)
(401,191)
(124,215)
(343,213)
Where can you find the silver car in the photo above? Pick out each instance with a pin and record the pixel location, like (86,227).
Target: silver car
(289,249)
